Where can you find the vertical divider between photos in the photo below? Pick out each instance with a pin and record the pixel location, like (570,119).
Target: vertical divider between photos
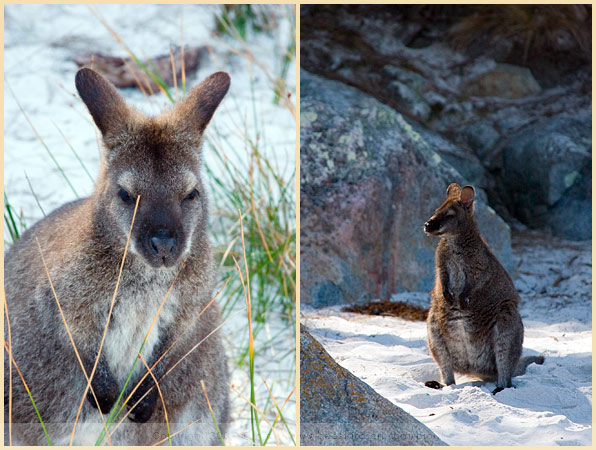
(297,47)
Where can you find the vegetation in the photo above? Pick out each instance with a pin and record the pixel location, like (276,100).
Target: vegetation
(535,28)
(240,20)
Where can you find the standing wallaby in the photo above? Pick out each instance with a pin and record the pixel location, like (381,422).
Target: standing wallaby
(474,326)
(83,242)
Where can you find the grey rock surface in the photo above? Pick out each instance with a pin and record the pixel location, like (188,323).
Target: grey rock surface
(481,138)
(547,175)
(337,408)
(368,183)
(464,161)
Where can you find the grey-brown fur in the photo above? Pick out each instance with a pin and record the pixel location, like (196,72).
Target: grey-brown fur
(474,326)
(83,243)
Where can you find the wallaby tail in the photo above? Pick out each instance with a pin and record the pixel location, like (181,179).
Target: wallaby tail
(525,362)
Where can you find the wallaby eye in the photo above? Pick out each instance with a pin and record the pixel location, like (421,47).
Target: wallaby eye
(194,194)
(125,196)
(450,213)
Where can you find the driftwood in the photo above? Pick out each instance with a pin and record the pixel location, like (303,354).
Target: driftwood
(125,72)
(389,308)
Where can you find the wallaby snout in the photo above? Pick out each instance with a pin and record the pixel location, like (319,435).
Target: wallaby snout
(162,237)
(430,226)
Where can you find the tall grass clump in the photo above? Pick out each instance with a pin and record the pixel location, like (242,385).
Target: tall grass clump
(267,202)
(533,28)
(252,180)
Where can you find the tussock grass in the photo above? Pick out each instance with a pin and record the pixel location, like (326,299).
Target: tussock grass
(52,157)
(537,28)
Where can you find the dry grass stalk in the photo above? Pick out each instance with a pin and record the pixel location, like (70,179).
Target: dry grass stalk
(163,403)
(9,371)
(212,413)
(8,350)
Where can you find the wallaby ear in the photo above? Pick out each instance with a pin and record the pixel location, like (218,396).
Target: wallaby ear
(195,111)
(453,190)
(105,104)
(467,196)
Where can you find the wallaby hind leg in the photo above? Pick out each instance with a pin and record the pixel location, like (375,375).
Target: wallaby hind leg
(508,347)
(440,353)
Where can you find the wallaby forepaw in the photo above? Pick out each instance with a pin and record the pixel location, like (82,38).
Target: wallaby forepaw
(106,390)
(144,410)
(105,400)
(498,389)
(140,415)
(433,384)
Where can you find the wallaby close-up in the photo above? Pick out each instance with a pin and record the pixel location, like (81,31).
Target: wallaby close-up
(151,165)
(474,327)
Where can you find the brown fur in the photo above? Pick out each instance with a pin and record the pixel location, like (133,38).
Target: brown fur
(83,242)
(474,326)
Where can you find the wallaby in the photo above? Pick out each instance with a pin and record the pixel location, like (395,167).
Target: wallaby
(474,326)
(83,242)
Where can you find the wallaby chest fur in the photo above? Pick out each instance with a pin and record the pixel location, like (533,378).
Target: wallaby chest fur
(157,161)
(474,326)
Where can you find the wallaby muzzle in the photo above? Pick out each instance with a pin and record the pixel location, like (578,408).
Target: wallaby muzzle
(160,238)
(431,226)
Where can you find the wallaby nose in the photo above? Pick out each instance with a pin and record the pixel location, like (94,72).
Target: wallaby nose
(163,243)
(430,225)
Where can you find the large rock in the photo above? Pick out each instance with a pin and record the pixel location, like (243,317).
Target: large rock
(482,138)
(368,182)
(547,175)
(466,162)
(337,408)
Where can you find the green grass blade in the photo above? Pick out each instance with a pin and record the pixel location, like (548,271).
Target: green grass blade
(13,230)
(34,194)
